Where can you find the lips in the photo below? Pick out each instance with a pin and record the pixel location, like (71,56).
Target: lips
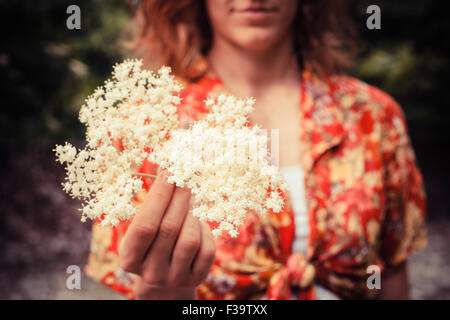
(257,15)
(263,10)
(256,9)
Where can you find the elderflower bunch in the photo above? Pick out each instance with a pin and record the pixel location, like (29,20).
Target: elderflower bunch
(136,110)
(224,164)
(221,159)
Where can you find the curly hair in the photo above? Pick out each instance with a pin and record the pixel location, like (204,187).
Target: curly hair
(177,33)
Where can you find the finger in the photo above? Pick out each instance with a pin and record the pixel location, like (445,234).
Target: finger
(160,253)
(171,223)
(205,256)
(144,226)
(186,248)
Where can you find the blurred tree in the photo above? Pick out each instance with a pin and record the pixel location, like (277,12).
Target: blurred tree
(408,58)
(47,70)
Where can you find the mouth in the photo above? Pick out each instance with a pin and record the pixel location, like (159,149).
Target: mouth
(257,15)
(256,10)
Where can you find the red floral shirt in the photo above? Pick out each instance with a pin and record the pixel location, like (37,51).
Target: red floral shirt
(364,193)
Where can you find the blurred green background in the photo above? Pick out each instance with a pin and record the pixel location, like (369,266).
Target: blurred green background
(46,71)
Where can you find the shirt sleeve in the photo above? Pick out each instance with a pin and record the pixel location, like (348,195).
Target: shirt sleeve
(403,229)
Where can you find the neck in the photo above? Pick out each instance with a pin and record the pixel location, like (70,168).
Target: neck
(248,73)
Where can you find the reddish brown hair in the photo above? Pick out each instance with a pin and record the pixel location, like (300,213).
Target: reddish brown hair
(177,33)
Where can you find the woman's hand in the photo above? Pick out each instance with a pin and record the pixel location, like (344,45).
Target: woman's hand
(169,249)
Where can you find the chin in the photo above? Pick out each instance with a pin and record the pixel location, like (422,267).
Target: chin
(256,40)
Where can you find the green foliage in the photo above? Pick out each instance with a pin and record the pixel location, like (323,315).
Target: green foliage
(408,58)
(47,70)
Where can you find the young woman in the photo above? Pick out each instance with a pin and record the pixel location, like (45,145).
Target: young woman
(356,197)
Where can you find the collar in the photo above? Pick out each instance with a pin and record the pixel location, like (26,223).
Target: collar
(321,118)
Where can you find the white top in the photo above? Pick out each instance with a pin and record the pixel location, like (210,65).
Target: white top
(294,178)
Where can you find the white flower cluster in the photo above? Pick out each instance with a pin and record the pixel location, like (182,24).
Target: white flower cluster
(136,109)
(221,159)
(224,164)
